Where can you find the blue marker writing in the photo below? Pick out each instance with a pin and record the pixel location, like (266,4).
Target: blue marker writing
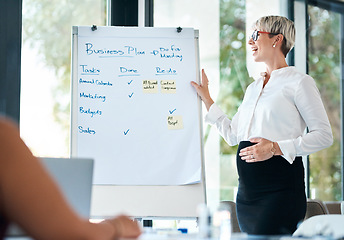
(86,131)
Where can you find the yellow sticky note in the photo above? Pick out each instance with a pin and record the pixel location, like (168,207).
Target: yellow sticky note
(168,86)
(150,86)
(175,122)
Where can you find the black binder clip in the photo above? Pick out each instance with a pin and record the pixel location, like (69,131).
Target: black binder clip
(94,27)
(179,29)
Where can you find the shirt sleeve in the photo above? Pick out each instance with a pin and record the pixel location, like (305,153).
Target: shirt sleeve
(225,126)
(311,108)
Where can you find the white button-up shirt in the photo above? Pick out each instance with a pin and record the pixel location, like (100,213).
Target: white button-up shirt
(279,112)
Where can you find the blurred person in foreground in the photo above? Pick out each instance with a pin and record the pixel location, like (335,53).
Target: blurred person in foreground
(31,199)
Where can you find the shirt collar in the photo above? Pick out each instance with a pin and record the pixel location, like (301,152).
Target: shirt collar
(277,72)
(282,71)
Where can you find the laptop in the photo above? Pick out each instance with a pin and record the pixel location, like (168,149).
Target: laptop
(74,177)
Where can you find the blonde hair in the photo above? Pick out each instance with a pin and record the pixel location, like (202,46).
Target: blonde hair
(278,24)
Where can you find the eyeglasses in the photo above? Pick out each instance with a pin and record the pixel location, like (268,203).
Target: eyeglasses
(255,34)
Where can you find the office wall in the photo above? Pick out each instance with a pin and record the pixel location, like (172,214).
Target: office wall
(10,53)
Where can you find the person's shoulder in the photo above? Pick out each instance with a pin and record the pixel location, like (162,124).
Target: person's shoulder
(303,83)
(6,122)
(7,126)
(298,77)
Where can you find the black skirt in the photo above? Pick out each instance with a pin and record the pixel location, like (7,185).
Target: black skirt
(271,197)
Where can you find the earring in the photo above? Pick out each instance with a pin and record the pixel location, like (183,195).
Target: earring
(274,45)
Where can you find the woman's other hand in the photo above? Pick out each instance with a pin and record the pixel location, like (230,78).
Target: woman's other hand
(203,91)
(261,151)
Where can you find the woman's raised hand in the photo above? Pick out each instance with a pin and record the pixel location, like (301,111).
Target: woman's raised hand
(203,91)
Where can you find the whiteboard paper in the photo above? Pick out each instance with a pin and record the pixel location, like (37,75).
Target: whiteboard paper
(135,111)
